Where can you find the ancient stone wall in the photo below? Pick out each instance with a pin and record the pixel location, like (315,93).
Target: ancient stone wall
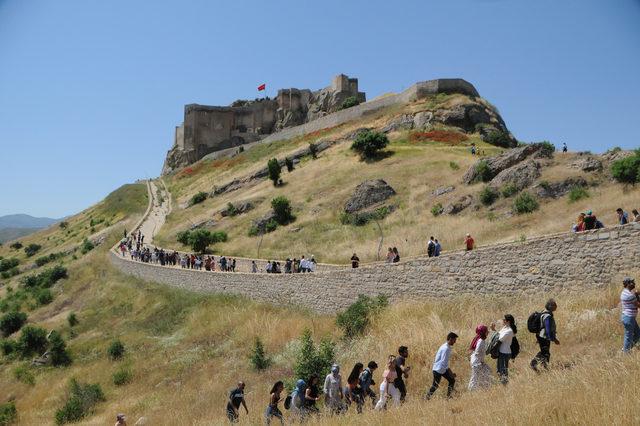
(542,265)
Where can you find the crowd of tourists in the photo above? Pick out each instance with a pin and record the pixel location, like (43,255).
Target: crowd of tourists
(291,266)
(588,221)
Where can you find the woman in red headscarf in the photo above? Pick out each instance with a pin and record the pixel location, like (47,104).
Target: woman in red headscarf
(480,371)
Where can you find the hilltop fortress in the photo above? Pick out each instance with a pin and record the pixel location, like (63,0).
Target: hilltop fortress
(211,129)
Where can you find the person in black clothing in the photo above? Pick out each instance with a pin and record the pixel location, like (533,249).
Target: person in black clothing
(589,221)
(402,371)
(396,255)
(546,335)
(366,381)
(311,396)
(236,397)
(564,147)
(353,391)
(431,247)
(355,261)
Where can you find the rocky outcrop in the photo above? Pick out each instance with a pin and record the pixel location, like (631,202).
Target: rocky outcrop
(458,205)
(503,161)
(260,224)
(521,175)
(368,194)
(422,120)
(237,208)
(589,164)
(403,122)
(442,190)
(558,189)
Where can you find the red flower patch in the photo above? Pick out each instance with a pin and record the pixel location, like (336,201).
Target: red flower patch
(445,136)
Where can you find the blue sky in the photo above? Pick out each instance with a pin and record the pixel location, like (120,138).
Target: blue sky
(90,91)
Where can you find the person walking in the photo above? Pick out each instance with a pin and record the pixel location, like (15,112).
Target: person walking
(390,255)
(402,372)
(564,147)
(333,390)
(274,399)
(480,370)
(629,302)
(469,242)
(366,381)
(355,261)
(311,396)
(387,388)
(236,397)
(505,337)
(353,391)
(546,335)
(396,255)
(441,367)
(121,420)
(254,267)
(297,399)
(438,248)
(623,217)
(431,247)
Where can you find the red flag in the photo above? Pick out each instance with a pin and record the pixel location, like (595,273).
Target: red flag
(262,87)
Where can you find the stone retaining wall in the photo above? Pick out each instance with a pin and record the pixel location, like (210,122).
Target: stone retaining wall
(560,262)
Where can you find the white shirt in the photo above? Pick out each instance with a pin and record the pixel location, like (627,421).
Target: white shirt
(441,363)
(477,357)
(505,336)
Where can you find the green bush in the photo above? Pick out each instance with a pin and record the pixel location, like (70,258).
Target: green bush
(16,246)
(8,414)
(43,296)
(627,170)
(488,195)
(32,249)
(258,358)
(357,317)
(43,260)
(548,149)
(63,225)
(351,101)
(45,279)
(525,203)
(578,193)
(122,377)
(7,264)
(12,322)
(9,347)
(274,168)
(437,209)
(454,166)
(232,210)
(499,138)
(24,375)
(32,341)
(198,198)
(509,190)
(362,218)
(60,357)
(289,163)
(86,246)
(10,273)
(200,239)
(81,400)
(310,360)
(313,150)
(72,319)
(282,209)
(116,350)
(483,171)
(368,144)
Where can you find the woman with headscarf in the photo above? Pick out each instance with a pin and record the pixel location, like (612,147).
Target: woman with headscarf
(480,371)
(297,399)
(333,390)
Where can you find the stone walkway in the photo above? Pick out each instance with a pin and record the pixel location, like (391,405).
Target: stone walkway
(161,207)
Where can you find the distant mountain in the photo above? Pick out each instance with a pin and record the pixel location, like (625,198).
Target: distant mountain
(8,234)
(25,221)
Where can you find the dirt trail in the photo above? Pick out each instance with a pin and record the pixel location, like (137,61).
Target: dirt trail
(161,207)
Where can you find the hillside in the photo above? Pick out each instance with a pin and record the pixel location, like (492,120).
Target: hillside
(18,225)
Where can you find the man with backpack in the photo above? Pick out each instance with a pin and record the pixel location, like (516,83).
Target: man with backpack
(431,247)
(544,326)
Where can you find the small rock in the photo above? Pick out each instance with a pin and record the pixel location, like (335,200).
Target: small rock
(367,194)
(458,205)
(295,229)
(442,190)
(141,421)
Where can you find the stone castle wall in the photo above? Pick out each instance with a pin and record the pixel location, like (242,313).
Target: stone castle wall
(541,265)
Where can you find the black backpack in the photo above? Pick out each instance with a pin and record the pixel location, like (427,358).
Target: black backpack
(515,347)
(493,348)
(287,402)
(534,323)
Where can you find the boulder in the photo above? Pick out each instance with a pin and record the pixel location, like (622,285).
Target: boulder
(261,223)
(521,175)
(403,122)
(616,154)
(503,161)
(209,223)
(458,205)
(442,190)
(589,164)
(558,189)
(422,119)
(367,194)
(465,116)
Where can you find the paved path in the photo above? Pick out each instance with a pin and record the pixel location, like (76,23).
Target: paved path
(160,201)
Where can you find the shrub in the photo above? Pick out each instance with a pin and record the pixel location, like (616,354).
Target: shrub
(357,317)
(310,360)
(80,402)
(43,296)
(45,279)
(282,210)
(16,246)
(627,170)
(58,350)
(116,350)
(32,249)
(93,222)
(437,209)
(454,165)
(7,264)
(72,319)
(24,375)
(313,150)
(12,322)
(63,225)
(9,347)
(547,149)
(525,203)
(122,377)
(289,163)
(198,198)
(509,190)
(8,413)
(259,359)
(86,246)
(351,101)
(274,168)
(43,260)
(200,239)
(368,144)
(488,195)
(499,138)
(10,273)
(483,171)
(232,210)
(32,341)
(578,193)
(362,218)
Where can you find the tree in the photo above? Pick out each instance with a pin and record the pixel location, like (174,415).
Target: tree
(310,360)
(282,209)
(201,239)
(259,359)
(274,170)
(58,350)
(627,170)
(33,340)
(356,318)
(16,246)
(32,249)
(368,144)
(351,101)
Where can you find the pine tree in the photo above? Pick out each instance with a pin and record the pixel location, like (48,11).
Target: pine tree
(306,357)
(259,359)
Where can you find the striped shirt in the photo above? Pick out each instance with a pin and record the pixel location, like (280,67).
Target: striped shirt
(628,302)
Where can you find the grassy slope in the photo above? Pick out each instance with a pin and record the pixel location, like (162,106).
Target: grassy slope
(319,188)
